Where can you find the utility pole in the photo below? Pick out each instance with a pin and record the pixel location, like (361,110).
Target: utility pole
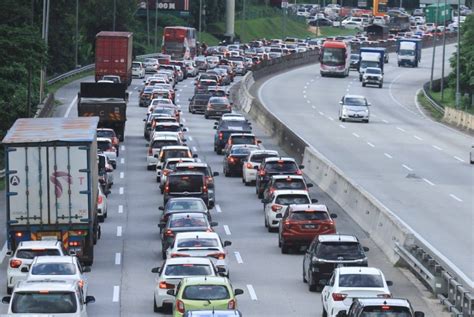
(458,93)
(76,62)
(156,26)
(444,55)
(44,36)
(115,13)
(434,45)
(28,96)
(200,21)
(243,22)
(147,24)
(230,20)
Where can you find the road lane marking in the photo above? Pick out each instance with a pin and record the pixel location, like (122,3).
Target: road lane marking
(116,294)
(384,121)
(370,144)
(119,231)
(3,253)
(407,167)
(331,118)
(120,209)
(307,101)
(238,257)
(184,86)
(314,107)
(252,293)
(190,138)
(130,94)
(227,230)
(455,197)
(118,258)
(218,209)
(388,155)
(437,147)
(122,174)
(401,129)
(183,119)
(122,161)
(122,148)
(304,91)
(177,100)
(70,107)
(431,183)
(304,96)
(177,95)
(312,80)
(321,113)
(121,190)
(194,149)
(356,135)
(135,88)
(342,126)
(418,138)
(459,159)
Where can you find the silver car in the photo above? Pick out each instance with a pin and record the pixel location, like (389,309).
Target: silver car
(355,108)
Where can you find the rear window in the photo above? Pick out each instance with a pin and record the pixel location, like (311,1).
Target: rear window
(241,151)
(218,100)
(175,153)
(339,250)
(105,134)
(185,183)
(386,311)
(160,144)
(244,139)
(199,169)
(136,65)
(179,205)
(354,101)
(360,280)
(188,270)
(292,199)
(258,158)
(168,128)
(309,215)
(44,303)
(198,243)
(289,184)
(281,166)
(30,254)
(53,269)
(207,83)
(206,292)
(186,220)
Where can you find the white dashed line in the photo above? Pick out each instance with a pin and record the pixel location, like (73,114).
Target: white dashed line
(331,118)
(116,295)
(118,258)
(177,95)
(227,230)
(121,190)
(314,107)
(407,167)
(342,126)
(187,129)
(184,86)
(356,135)
(307,101)
(304,92)
(122,161)
(388,155)
(370,144)
(455,197)
(190,138)
(312,80)
(119,231)
(459,159)
(401,129)
(135,88)
(252,293)
(130,94)
(120,209)
(122,148)
(194,149)
(321,113)
(122,174)
(304,96)
(418,138)
(347,89)
(427,181)
(238,257)
(177,100)
(384,121)
(218,209)
(437,147)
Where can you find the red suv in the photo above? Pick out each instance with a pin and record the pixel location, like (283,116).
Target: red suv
(300,224)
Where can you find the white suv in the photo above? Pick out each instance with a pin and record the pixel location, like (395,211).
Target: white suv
(26,251)
(252,163)
(138,69)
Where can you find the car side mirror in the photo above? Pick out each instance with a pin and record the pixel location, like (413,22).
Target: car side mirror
(25,269)
(255,168)
(72,253)
(155,156)
(419,314)
(215,174)
(144,120)
(185,129)
(309,185)
(109,170)
(314,200)
(190,99)
(161,208)
(227,243)
(334,216)
(9,253)
(6,299)
(170,292)
(220,270)
(86,269)
(369,104)
(278,216)
(215,127)
(238,291)
(214,224)
(90,300)
(301,166)
(108,192)
(366,249)
(181,125)
(341,313)
(389,283)
(259,141)
(155,270)
(340,102)
(195,155)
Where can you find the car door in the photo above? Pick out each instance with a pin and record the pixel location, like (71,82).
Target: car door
(307,258)
(327,291)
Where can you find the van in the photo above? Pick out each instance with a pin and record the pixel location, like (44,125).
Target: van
(187,184)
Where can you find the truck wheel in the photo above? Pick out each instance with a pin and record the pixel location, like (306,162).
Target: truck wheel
(363,84)
(380,85)
(398,64)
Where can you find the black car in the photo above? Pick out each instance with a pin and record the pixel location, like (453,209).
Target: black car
(198,103)
(321,22)
(275,166)
(234,158)
(183,204)
(187,184)
(328,252)
(355,61)
(182,222)
(206,170)
(227,127)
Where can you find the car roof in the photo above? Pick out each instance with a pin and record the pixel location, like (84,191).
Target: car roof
(100,139)
(214,312)
(175,147)
(187,260)
(358,270)
(187,172)
(279,158)
(209,280)
(384,301)
(184,198)
(46,285)
(199,235)
(38,244)
(317,207)
(54,259)
(241,134)
(337,238)
(105,129)
(196,164)
(165,137)
(290,192)
(237,146)
(277,177)
(256,152)
(354,96)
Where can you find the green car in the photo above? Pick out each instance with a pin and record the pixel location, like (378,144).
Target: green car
(204,293)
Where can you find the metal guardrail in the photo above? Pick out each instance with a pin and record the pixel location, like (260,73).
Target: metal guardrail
(2,174)
(70,74)
(434,104)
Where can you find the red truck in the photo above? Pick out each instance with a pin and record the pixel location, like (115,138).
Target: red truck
(113,55)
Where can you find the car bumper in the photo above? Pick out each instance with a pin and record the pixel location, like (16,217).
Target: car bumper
(16,277)
(215,114)
(337,307)
(162,298)
(200,109)
(273,221)
(250,175)
(111,156)
(355,117)
(151,161)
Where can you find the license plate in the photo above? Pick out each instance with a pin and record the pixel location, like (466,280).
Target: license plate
(309,226)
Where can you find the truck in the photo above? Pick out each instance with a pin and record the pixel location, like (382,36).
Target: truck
(439,14)
(371,57)
(113,55)
(409,52)
(107,101)
(51,183)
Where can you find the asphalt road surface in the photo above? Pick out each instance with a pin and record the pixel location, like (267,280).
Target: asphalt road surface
(121,280)
(418,168)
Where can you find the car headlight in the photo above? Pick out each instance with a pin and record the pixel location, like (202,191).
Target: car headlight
(344,111)
(366,111)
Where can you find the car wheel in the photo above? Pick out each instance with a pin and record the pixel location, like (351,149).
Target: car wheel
(363,84)
(398,64)
(284,249)
(157,179)
(343,120)
(149,167)
(219,151)
(279,241)
(9,290)
(325,314)
(266,222)
(312,284)
(101,218)
(304,276)
(105,215)
(156,309)
(163,254)
(381,85)
(366,121)
(206,116)
(247,183)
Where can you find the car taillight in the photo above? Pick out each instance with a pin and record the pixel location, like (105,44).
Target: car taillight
(167,189)
(150,151)
(115,140)
(209,107)
(276,208)
(231,160)
(169,233)
(338,297)
(249,165)
(166,172)
(209,180)
(231,304)
(262,173)
(229,107)
(179,255)
(299,172)
(287,225)
(111,149)
(180,306)
(81,283)
(164,285)
(74,243)
(100,199)
(221,135)
(14,263)
(218,256)
(204,189)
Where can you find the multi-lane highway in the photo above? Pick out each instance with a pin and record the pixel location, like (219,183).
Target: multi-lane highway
(416,167)
(121,279)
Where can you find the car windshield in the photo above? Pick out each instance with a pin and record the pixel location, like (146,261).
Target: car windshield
(372,71)
(289,183)
(136,65)
(31,253)
(105,133)
(206,292)
(360,280)
(44,303)
(281,166)
(185,183)
(354,57)
(336,250)
(188,270)
(243,139)
(292,199)
(406,52)
(163,110)
(219,100)
(386,311)
(187,220)
(258,158)
(181,205)
(198,243)
(53,269)
(353,101)
(309,215)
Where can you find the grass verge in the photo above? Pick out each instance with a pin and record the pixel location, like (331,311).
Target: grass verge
(449,99)
(2,184)
(427,106)
(54,87)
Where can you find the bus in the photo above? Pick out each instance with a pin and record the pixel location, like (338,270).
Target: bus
(179,42)
(334,58)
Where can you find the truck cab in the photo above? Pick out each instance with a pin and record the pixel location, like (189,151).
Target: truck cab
(409,52)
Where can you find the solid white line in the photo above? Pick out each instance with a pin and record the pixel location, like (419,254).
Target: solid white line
(385,121)
(388,155)
(342,126)
(417,137)
(321,113)
(115,296)
(187,129)
(238,257)
(331,118)
(122,148)
(370,144)
(194,149)
(312,80)
(120,209)
(184,86)
(122,161)
(398,128)
(118,258)
(119,231)
(252,293)
(459,159)
(437,147)
(431,183)
(122,174)
(356,135)
(70,107)
(135,88)
(227,230)
(121,190)
(407,167)
(218,208)
(455,197)
(190,138)
(3,253)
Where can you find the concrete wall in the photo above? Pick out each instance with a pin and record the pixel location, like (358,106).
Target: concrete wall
(459,118)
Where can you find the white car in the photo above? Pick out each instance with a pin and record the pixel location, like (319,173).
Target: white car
(355,108)
(350,282)
(138,70)
(48,298)
(154,148)
(101,204)
(252,163)
(151,65)
(105,146)
(278,201)
(66,268)
(201,244)
(24,255)
(168,166)
(171,273)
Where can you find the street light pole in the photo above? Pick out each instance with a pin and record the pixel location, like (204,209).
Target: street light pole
(156,26)
(147,24)
(115,12)
(444,55)
(434,46)
(77,35)
(200,21)
(243,22)
(458,93)
(44,35)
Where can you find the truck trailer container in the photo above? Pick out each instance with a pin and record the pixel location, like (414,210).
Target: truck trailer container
(51,183)
(409,52)
(444,12)
(113,55)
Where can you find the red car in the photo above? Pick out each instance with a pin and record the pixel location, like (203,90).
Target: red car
(300,224)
